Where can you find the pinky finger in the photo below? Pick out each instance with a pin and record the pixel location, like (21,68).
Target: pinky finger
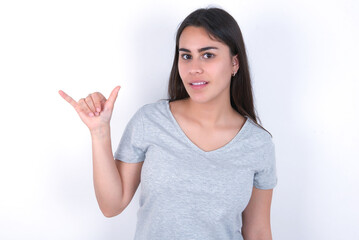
(68,98)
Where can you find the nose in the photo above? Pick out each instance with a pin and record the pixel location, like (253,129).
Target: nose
(196,67)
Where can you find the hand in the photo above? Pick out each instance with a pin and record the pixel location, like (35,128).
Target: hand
(94,110)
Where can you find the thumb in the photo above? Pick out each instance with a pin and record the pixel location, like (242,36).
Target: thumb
(112,98)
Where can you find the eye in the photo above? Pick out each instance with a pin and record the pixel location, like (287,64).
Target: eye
(208,55)
(186,56)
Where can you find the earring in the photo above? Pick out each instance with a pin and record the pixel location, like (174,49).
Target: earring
(234,74)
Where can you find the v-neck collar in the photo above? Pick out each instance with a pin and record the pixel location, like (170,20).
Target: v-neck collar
(238,136)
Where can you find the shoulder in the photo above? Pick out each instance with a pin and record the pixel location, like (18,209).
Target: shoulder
(154,111)
(159,105)
(260,143)
(258,137)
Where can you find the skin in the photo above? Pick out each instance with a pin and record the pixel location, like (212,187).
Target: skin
(94,104)
(210,105)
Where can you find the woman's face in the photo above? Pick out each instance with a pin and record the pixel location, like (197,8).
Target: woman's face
(205,66)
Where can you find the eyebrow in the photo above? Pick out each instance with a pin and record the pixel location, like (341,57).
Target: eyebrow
(199,50)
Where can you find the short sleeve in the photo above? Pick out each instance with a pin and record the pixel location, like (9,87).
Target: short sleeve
(130,148)
(266,177)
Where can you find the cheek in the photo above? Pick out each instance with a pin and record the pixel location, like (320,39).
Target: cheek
(227,67)
(220,69)
(182,69)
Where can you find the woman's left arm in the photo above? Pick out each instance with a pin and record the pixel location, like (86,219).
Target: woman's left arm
(256,216)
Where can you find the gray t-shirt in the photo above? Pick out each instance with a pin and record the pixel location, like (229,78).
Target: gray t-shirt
(187,193)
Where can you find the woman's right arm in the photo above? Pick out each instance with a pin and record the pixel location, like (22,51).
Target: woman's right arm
(115,182)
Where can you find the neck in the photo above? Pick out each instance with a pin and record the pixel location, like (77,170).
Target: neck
(210,113)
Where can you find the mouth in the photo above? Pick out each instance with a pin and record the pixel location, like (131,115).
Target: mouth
(198,83)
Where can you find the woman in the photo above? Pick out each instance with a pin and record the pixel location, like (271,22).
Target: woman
(207,169)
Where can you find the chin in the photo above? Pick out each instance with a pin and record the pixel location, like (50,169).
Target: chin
(199,99)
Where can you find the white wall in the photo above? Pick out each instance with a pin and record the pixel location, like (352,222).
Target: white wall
(303,57)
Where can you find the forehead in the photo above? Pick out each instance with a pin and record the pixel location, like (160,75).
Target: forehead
(198,37)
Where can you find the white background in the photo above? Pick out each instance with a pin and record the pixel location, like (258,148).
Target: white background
(303,57)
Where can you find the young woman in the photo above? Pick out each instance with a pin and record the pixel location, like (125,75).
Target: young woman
(207,168)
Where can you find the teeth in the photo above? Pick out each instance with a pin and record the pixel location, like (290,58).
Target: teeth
(199,83)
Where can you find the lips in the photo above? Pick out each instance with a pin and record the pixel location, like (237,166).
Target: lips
(198,83)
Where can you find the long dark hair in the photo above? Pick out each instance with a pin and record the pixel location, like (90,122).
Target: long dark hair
(223,27)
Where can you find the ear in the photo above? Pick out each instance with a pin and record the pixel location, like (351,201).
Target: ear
(235,63)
